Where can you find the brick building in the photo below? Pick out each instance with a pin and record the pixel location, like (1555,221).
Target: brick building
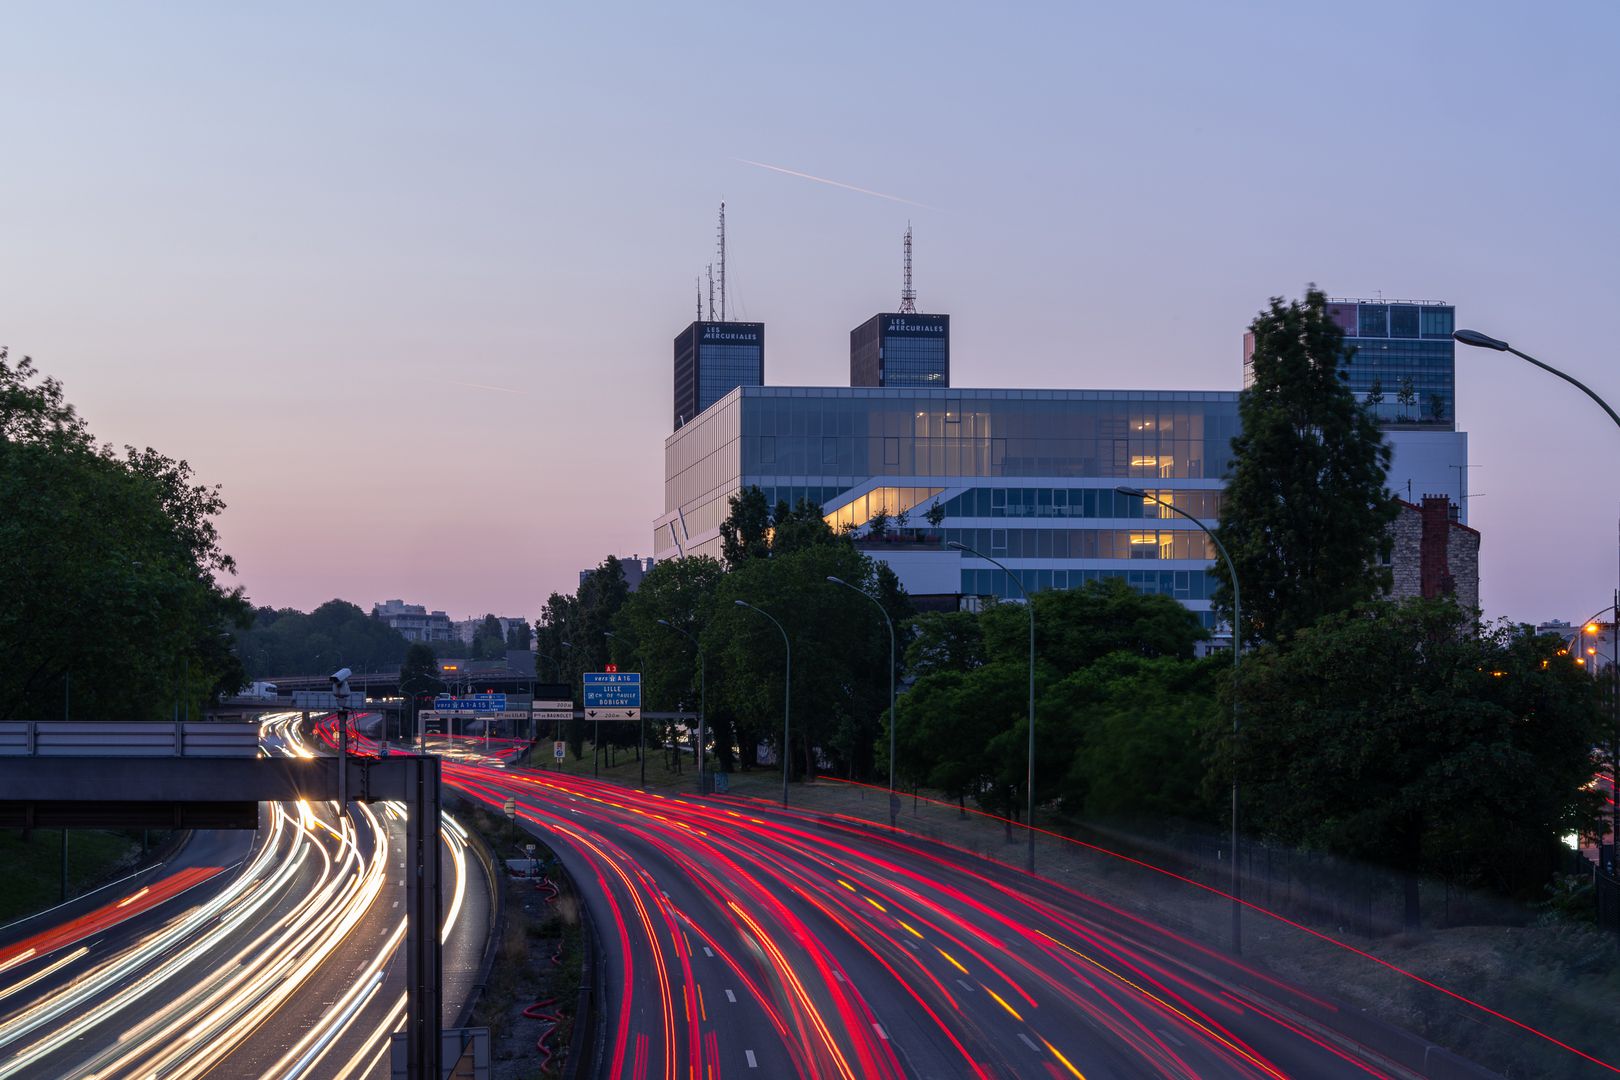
(1434,554)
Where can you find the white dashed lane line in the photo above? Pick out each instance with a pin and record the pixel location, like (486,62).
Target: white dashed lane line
(964,984)
(1029,1043)
(731,997)
(708,952)
(884,1035)
(752,1064)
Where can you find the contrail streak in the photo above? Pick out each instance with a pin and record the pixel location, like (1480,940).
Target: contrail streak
(475,385)
(835,183)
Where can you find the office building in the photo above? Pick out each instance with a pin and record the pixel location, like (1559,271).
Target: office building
(711,360)
(1024,476)
(898,349)
(1400,361)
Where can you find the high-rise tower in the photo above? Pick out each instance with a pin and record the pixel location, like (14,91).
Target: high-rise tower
(902,348)
(715,356)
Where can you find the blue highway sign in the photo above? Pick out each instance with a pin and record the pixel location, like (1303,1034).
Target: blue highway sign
(613,689)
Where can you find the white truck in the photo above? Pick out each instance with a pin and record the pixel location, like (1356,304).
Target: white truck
(259,691)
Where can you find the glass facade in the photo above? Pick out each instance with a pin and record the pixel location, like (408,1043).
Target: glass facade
(1023,459)
(1400,358)
(901,350)
(711,360)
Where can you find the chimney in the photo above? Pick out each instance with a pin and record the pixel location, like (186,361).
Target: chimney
(1434,574)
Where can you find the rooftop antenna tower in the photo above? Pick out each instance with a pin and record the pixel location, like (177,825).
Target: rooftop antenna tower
(908,295)
(711,294)
(699,299)
(722,245)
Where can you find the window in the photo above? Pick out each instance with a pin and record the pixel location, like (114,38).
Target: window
(891,451)
(829,450)
(767,449)
(998,541)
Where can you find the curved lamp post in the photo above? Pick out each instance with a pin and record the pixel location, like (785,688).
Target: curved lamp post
(1029,785)
(703,697)
(894,800)
(1237,622)
(787,693)
(1485,341)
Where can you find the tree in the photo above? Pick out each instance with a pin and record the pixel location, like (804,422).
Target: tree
(745,532)
(680,592)
(111,569)
(798,528)
(519,634)
(1305,516)
(1396,735)
(418,675)
(944,641)
(1406,394)
(1375,396)
(336,634)
(489,641)
(1437,408)
(877,526)
(935,514)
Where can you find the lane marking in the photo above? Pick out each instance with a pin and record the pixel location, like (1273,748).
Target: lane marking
(839,975)
(1028,1043)
(731,997)
(708,952)
(877,1027)
(752,1064)
(964,984)
(1172,1038)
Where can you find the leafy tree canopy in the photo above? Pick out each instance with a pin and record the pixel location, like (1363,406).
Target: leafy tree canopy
(1305,516)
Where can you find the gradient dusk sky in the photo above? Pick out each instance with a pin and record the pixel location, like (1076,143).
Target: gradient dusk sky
(403,278)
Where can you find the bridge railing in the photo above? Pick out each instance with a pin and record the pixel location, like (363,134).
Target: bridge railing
(113,738)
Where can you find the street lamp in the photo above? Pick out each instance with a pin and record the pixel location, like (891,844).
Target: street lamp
(1485,341)
(1237,646)
(640,713)
(703,697)
(1029,602)
(894,800)
(787,693)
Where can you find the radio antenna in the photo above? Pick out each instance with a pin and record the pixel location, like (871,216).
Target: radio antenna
(722,245)
(908,295)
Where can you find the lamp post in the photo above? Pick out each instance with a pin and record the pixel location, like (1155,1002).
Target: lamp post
(1029,602)
(894,800)
(1485,341)
(1592,628)
(787,693)
(1237,623)
(640,713)
(703,698)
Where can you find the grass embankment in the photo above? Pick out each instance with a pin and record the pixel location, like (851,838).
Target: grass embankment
(32,881)
(624,768)
(534,932)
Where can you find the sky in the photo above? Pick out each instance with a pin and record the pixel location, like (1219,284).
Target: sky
(403,278)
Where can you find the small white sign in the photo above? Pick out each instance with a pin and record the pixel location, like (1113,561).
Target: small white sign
(613,714)
(558,749)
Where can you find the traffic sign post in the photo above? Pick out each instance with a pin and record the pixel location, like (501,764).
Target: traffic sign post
(610,695)
(558,749)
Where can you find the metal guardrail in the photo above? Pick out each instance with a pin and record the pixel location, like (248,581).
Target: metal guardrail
(142,739)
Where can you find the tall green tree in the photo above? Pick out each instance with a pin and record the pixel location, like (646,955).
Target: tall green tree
(489,641)
(1305,516)
(681,592)
(111,570)
(745,532)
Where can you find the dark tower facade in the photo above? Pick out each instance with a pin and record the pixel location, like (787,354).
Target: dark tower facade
(711,360)
(901,349)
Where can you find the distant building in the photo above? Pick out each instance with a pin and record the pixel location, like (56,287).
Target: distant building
(711,360)
(467,629)
(1397,349)
(635,568)
(1434,554)
(414,621)
(901,350)
(1592,643)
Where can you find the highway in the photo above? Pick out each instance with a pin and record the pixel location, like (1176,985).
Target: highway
(275,953)
(742,939)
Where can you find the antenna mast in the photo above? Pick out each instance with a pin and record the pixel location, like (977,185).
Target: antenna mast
(908,295)
(711,294)
(699,299)
(722,232)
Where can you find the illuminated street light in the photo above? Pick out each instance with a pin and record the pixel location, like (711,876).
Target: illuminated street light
(1029,602)
(787,693)
(1237,644)
(703,697)
(894,800)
